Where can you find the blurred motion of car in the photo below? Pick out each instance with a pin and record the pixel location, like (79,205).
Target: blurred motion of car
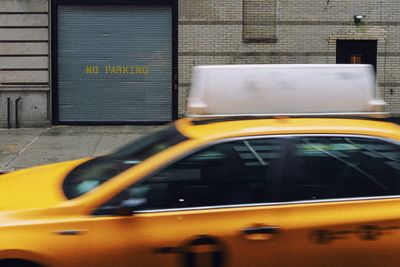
(274,165)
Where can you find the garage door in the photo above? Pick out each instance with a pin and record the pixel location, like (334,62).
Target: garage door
(114,63)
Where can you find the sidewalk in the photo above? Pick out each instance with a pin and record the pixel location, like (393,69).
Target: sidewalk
(21,148)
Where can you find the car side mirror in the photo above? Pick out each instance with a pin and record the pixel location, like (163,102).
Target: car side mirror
(129,206)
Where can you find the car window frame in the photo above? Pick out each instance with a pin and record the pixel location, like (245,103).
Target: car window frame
(286,179)
(284,139)
(289,140)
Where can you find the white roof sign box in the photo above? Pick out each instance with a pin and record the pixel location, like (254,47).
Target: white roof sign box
(239,90)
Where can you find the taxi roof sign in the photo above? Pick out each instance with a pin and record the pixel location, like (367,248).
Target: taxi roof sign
(272,90)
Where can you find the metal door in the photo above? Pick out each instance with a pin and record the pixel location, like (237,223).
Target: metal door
(114,63)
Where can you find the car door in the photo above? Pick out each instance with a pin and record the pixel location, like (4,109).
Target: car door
(214,207)
(341,202)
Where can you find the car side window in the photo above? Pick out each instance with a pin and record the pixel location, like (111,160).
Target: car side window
(238,172)
(342,167)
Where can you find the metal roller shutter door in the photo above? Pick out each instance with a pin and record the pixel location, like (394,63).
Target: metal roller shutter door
(114,63)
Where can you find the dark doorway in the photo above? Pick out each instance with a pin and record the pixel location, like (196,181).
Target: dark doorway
(356,52)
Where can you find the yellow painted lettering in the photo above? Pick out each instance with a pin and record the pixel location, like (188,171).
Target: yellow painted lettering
(89,69)
(107,69)
(110,69)
(95,69)
(92,69)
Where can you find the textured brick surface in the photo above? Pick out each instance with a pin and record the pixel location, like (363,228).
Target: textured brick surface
(259,20)
(215,32)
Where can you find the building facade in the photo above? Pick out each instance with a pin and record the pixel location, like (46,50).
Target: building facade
(130,61)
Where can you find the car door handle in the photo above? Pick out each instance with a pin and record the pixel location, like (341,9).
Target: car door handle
(260,232)
(70,232)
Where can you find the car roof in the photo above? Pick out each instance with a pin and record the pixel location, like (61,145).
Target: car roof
(217,129)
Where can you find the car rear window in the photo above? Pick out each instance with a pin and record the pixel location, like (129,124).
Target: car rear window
(343,167)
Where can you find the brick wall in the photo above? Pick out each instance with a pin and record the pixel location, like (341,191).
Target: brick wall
(259,21)
(214,32)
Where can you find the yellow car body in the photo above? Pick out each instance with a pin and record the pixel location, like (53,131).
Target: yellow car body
(39,225)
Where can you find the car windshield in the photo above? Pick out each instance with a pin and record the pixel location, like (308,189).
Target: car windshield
(93,173)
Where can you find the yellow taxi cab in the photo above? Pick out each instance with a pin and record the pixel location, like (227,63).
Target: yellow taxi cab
(244,180)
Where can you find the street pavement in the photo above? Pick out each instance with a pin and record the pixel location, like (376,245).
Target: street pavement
(21,148)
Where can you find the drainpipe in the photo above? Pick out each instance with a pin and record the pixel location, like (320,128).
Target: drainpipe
(8,113)
(16,112)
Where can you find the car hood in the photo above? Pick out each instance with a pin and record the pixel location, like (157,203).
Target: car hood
(35,188)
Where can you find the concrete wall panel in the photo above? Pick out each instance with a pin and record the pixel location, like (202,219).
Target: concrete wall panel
(24,62)
(23,6)
(32,108)
(24,48)
(24,20)
(24,77)
(23,34)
